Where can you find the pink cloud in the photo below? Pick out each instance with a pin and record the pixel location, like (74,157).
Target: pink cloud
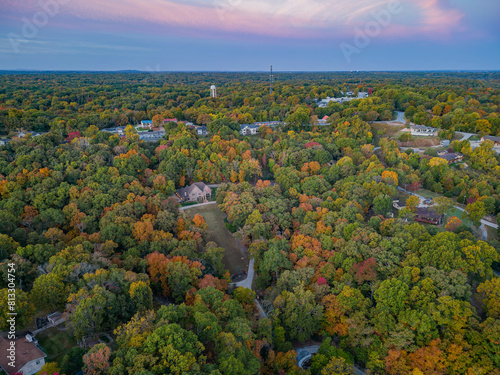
(286,18)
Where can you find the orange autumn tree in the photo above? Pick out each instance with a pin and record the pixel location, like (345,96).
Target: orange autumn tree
(174,276)
(453,223)
(199,222)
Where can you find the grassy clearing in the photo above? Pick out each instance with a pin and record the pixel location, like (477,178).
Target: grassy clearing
(492,233)
(382,130)
(458,213)
(427,194)
(55,343)
(235,257)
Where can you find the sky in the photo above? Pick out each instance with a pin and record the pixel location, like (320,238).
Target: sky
(249,35)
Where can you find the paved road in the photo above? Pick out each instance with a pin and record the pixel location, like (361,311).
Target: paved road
(401,116)
(196,205)
(485,222)
(466,135)
(314,349)
(247,283)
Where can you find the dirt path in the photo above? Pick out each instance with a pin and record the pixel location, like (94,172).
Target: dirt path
(235,256)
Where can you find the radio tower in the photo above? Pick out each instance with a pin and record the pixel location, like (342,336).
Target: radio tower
(272,78)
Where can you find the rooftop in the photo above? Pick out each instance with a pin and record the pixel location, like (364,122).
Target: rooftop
(451,156)
(26,351)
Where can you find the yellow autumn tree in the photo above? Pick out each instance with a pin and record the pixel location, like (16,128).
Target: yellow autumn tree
(390,178)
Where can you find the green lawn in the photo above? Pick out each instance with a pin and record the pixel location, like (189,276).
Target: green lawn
(55,343)
(235,257)
(427,194)
(492,233)
(458,213)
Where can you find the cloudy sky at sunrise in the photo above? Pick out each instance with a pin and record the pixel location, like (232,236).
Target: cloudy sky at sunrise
(228,35)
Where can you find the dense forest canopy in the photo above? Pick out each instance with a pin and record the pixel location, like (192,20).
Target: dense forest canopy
(92,224)
(39,102)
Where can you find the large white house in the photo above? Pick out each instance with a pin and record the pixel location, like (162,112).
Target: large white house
(247,129)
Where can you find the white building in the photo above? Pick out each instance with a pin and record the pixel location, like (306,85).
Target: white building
(247,129)
(201,130)
(213,91)
(423,130)
(152,136)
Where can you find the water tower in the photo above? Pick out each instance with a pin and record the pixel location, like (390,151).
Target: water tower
(213,91)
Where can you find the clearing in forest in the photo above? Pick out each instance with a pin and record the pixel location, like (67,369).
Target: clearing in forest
(235,256)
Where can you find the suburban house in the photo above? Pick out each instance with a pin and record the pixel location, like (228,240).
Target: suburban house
(196,192)
(423,130)
(247,129)
(29,359)
(428,215)
(201,130)
(399,204)
(323,121)
(452,157)
(495,140)
(147,124)
(4,141)
(22,134)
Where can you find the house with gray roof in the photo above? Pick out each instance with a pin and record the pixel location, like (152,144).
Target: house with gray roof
(197,192)
(495,140)
(249,129)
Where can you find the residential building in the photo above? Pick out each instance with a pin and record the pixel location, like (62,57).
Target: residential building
(22,134)
(495,140)
(29,359)
(196,192)
(423,130)
(324,102)
(201,130)
(323,121)
(399,204)
(452,157)
(152,136)
(4,141)
(147,124)
(247,129)
(429,216)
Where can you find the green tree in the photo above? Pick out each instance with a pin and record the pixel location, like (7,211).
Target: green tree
(475,212)
(299,313)
(23,307)
(382,204)
(49,292)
